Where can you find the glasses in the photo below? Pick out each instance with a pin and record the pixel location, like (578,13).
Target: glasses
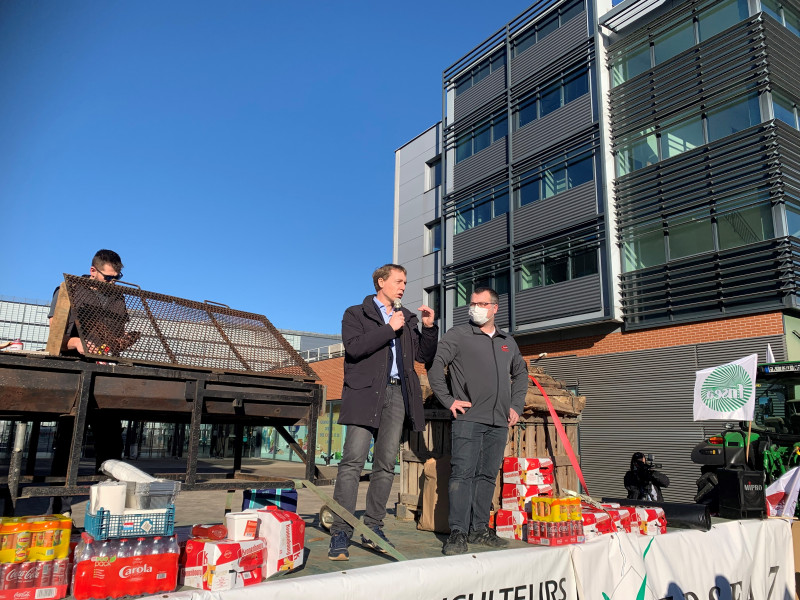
(481,304)
(110,278)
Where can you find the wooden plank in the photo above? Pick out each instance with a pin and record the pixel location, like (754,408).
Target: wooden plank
(56,340)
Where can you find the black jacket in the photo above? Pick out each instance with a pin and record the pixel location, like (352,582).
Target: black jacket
(367,361)
(638,481)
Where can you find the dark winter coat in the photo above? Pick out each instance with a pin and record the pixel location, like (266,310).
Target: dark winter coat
(368,360)
(638,482)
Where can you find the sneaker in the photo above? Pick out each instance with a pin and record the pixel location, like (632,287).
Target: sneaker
(338,548)
(487,537)
(370,544)
(455,544)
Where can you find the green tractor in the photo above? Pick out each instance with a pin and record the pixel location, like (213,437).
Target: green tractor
(774,436)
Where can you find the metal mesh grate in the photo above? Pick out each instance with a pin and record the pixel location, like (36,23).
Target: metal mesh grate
(126,322)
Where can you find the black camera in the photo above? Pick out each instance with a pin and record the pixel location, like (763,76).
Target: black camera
(649,460)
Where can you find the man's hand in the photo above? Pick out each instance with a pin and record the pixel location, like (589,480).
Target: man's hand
(459,406)
(427,315)
(397,320)
(75,344)
(513,417)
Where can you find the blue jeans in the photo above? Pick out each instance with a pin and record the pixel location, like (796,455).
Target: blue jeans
(477,455)
(384,455)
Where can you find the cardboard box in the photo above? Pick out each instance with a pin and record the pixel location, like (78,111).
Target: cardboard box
(511,524)
(222,565)
(284,535)
(518,497)
(652,520)
(528,471)
(51,593)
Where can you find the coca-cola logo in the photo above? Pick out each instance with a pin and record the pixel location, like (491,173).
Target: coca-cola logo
(21,594)
(126,572)
(12,575)
(29,574)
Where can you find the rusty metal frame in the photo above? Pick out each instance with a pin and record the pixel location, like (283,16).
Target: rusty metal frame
(205,396)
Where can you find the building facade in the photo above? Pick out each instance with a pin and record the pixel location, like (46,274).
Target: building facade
(625,177)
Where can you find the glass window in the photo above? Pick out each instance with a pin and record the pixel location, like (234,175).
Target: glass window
(547,27)
(501,204)
(772,8)
(681,137)
(464,146)
(580,171)
(571,10)
(500,128)
(434,241)
(483,138)
(792,221)
(679,38)
(434,300)
(501,284)
(529,191)
(530,274)
(498,61)
(556,269)
(630,65)
(643,248)
(784,109)
(554,180)
(575,86)
(480,72)
(550,99)
(689,235)
(433,177)
(637,154)
(525,41)
(745,226)
(526,113)
(733,117)
(584,262)
(720,17)
(463,291)
(463,219)
(791,20)
(482,213)
(463,84)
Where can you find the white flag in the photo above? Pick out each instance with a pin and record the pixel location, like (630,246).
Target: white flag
(782,494)
(726,392)
(770,355)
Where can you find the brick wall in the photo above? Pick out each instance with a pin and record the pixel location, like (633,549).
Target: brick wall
(663,337)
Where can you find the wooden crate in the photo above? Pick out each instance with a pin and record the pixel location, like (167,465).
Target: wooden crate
(532,437)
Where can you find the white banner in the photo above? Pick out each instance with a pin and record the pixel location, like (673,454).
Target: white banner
(782,494)
(726,392)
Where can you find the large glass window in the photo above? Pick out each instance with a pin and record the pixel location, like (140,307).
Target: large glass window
(526,112)
(772,8)
(732,117)
(556,269)
(784,109)
(481,208)
(681,137)
(483,213)
(433,241)
(547,27)
(584,262)
(630,64)
(530,274)
(529,191)
(720,16)
(571,10)
(575,86)
(679,38)
(488,65)
(690,234)
(744,226)
(643,247)
(550,99)
(525,41)
(792,221)
(580,171)
(481,136)
(638,153)
(555,177)
(466,284)
(433,174)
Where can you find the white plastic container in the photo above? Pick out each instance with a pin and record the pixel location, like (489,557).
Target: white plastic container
(242,526)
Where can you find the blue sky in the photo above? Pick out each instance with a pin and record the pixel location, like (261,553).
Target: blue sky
(241,152)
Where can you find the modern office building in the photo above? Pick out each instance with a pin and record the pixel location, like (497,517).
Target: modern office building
(626,177)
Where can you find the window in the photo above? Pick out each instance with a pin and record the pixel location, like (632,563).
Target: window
(690,234)
(433,173)
(580,170)
(433,298)
(630,64)
(745,226)
(556,269)
(555,177)
(481,208)
(526,112)
(480,71)
(643,247)
(571,10)
(575,86)
(525,41)
(784,109)
(465,285)
(481,136)
(530,274)
(673,42)
(681,137)
(786,16)
(529,191)
(433,237)
(638,153)
(732,117)
(552,97)
(792,221)
(547,26)
(584,262)
(720,17)
(558,264)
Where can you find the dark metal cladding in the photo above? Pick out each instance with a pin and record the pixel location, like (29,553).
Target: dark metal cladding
(116,320)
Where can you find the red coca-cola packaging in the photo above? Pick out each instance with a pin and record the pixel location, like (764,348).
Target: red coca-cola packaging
(518,497)
(652,520)
(44,573)
(60,572)
(284,533)
(596,523)
(511,524)
(527,471)
(218,565)
(27,575)
(31,580)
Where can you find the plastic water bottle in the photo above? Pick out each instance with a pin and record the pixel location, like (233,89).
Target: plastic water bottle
(156,546)
(124,548)
(82,574)
(141,548)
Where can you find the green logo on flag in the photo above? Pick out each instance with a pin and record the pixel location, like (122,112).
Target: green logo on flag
(727,388)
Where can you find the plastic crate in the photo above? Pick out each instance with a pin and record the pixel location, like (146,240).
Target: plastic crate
(105,526)
(152,494)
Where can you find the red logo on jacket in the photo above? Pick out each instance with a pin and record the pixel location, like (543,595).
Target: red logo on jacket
(504,348)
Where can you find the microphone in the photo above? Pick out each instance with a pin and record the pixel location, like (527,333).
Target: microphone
(397,304)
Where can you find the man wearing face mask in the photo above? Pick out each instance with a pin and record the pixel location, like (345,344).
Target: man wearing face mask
(488,383)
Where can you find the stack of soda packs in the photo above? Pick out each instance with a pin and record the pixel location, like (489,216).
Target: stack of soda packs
(612,518)
(34,557)
(129,550)
(262,540)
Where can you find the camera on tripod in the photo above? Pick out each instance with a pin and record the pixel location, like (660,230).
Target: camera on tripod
(649,460)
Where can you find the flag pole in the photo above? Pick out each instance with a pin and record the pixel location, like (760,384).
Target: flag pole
(747,451)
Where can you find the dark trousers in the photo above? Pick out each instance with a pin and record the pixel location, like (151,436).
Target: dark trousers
(384,455)
(476,456)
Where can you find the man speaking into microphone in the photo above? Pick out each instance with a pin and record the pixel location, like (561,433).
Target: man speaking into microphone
(381,389)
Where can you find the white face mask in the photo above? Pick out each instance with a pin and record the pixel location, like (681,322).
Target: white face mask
(479,315)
